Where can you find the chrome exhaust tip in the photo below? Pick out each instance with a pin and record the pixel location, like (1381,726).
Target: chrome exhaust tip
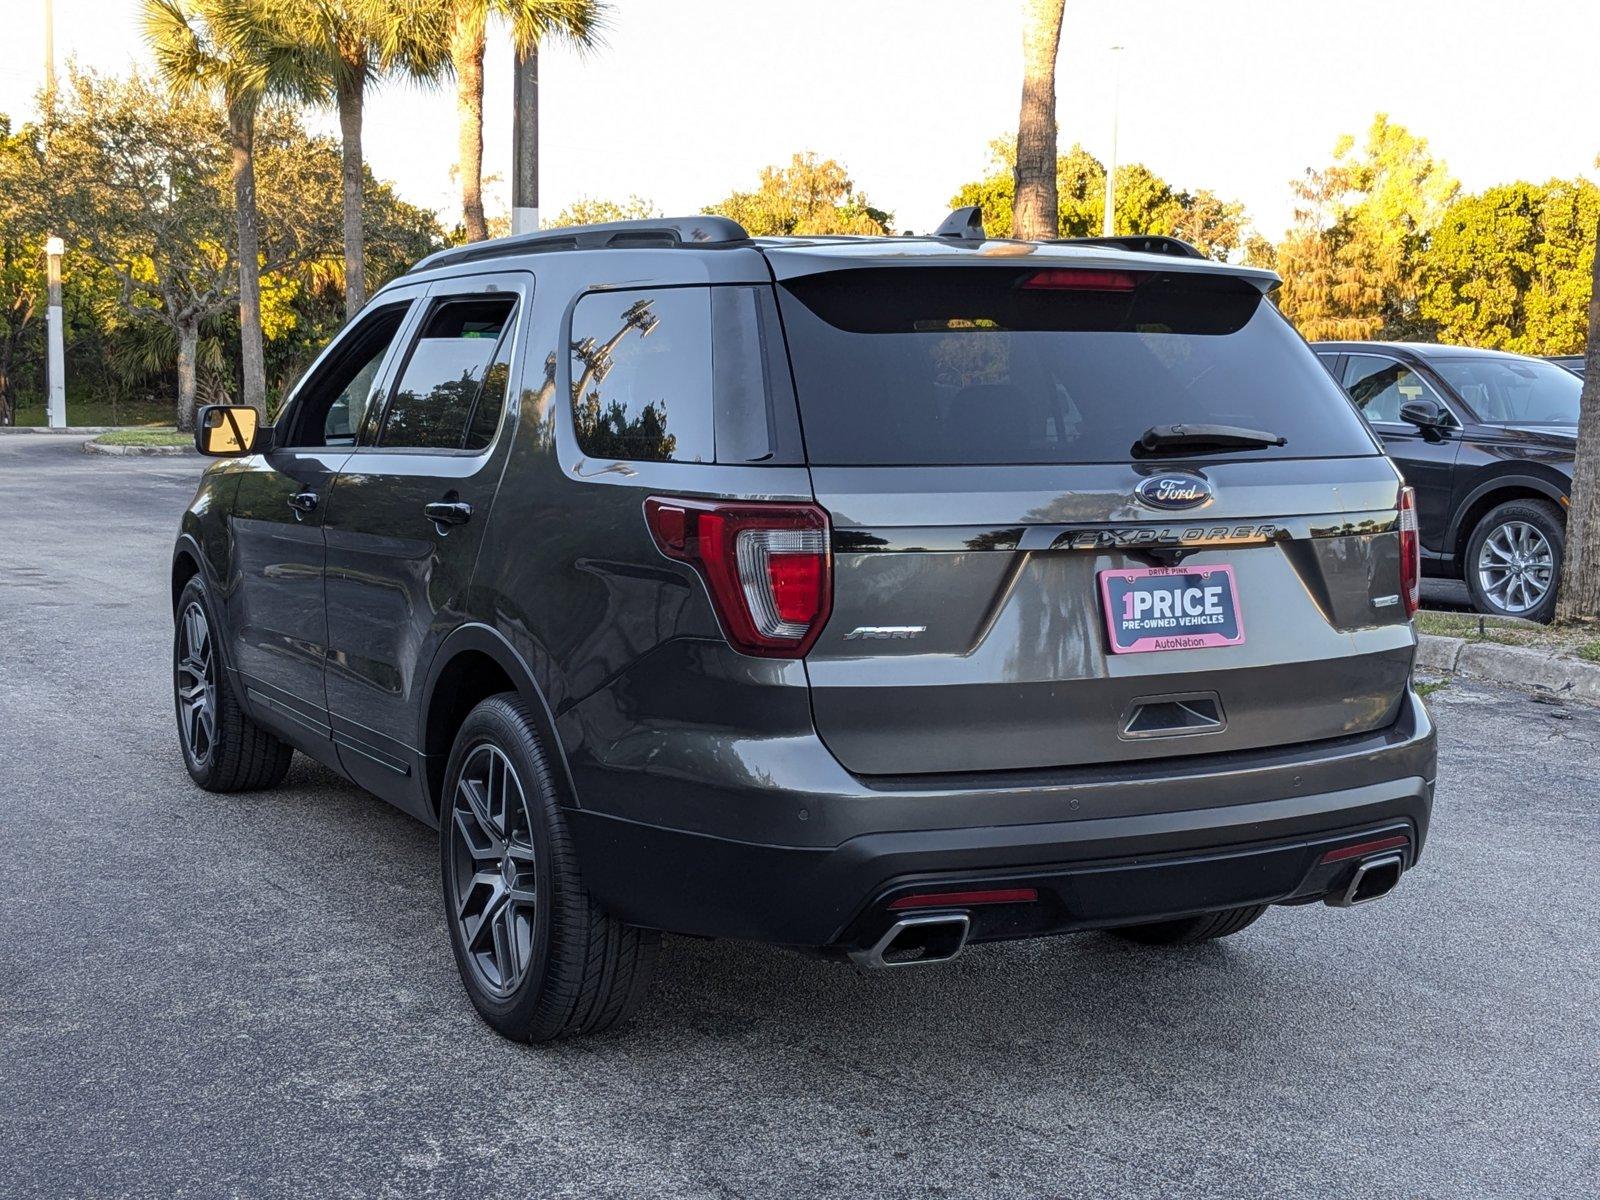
(916,942)
(1373,879)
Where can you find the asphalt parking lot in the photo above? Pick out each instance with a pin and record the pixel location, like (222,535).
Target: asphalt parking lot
(253,995)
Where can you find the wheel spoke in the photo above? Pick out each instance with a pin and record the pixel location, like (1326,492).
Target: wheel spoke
(505,953)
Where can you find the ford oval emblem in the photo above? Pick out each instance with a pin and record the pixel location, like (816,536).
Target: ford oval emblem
(1173,491)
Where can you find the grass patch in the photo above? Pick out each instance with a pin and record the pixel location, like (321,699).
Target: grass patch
(1431,686)
(154,436)
(1576,639)
(101,412)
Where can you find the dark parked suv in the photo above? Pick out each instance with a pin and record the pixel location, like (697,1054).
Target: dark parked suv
(1487,439)
(867,596)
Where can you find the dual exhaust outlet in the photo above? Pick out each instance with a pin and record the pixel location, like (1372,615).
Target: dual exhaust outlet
(940,937)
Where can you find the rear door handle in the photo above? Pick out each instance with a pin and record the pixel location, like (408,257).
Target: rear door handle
(448,512)
(303,502)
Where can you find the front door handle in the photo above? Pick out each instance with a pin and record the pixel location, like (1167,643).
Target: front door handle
(303,502)
(448,512)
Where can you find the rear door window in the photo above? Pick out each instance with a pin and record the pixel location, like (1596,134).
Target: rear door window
(913,366)
(453,383)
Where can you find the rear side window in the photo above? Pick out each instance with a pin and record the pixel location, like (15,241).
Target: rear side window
(641,375)
(915,366)
(690,374)
(453,385)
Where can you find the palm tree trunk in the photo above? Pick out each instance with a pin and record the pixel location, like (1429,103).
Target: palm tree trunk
(188,351)
(466,52)
(351,98)
(1034,212)
(241,133)
(1579,599)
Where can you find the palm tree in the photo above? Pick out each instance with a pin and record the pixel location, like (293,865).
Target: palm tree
(1034,215)
(532,21)
(354,43)
(247,50)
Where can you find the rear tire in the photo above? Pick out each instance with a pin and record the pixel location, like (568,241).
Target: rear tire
(538,957)
(1187,931)
(1515,551)
(224,750)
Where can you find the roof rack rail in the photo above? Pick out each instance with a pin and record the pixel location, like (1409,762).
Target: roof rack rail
(667,232)
(1140,243)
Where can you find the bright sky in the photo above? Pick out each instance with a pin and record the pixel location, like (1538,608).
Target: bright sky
(691,97)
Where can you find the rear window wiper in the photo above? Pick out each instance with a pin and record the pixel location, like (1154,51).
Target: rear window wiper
(1171,439)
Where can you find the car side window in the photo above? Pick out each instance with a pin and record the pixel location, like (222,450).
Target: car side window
(1379,386)
(453,384)
(642,375)
(331,403)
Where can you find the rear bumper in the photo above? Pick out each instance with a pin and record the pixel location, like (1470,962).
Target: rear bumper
(1144,842)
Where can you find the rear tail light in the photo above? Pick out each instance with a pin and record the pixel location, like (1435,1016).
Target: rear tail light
(1410,553)
(1076,279)
(768,567)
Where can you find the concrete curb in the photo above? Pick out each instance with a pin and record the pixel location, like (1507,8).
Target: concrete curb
(140,451)
(1521,667)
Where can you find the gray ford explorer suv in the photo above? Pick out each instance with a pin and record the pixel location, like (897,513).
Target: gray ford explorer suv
(868,596)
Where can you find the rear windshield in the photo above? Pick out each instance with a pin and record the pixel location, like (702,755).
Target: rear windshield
(918,366)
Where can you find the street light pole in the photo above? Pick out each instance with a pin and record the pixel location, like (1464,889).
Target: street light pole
(56,357)
(1108,224)
(55,353)
(525,143)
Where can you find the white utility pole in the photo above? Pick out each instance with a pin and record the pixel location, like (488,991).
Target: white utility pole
(57,407)
(1108,225)
(525,143)
(55,357)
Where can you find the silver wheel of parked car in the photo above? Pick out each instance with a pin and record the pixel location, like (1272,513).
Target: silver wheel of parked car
(494,881)
(1516,566)
(196,685)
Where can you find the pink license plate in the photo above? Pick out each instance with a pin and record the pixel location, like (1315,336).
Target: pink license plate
(1171,608)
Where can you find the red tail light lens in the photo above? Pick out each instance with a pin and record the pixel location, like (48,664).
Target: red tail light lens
(1410,553)
(1073,279)
(768,567)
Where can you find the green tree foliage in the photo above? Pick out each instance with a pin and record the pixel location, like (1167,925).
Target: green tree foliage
(1509,268)
(139,185)
(588,210)
(811,195)
(1352,262)
(1145,203)
(22,236)
(248,51)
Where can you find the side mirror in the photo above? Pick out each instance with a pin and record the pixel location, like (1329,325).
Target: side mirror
(226,430)
(1425,414)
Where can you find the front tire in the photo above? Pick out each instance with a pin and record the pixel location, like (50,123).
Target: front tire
(539,959)
(1187,931)
(224,750)
(1513,563)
